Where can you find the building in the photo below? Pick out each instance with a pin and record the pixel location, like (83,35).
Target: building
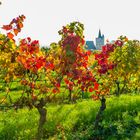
(90,45)
(99,43)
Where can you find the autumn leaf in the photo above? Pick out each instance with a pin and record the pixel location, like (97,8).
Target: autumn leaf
(16,31)
(96,85)
(1,42)
(88,52)
(34,97)
(58,85)
(91,89)
(29,39)
(54,90)
(66,81)
(20,24)
(7,27)
(50,66)
(86,58)
(38,65)
(83,41)
(94,97)
(98,92)
(10,35)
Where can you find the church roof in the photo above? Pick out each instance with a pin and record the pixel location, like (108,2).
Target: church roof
(90,45)
(99,35)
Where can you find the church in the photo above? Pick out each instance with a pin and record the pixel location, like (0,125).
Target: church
(99,42)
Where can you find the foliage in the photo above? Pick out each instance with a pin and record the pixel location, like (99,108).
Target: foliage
(66,66)
(71,63)
(8,64)
(118,66)
(128,65)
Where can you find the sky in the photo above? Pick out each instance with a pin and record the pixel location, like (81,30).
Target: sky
(44,18)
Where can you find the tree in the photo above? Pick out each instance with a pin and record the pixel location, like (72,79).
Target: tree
(117,63)
(126,73)
(8,64)
(25,62)
(36,94)
(72,60)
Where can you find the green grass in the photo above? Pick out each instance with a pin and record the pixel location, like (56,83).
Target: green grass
(75,121)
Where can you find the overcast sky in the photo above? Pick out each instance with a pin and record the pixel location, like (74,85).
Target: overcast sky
(45,17)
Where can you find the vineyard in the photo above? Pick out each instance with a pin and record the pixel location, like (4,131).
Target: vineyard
(66,92)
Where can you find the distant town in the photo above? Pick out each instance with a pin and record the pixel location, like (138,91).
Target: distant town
(90,45)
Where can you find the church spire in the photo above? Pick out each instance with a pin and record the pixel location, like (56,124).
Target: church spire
(99,35)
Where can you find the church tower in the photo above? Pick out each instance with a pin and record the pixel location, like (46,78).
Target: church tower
(99,41)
